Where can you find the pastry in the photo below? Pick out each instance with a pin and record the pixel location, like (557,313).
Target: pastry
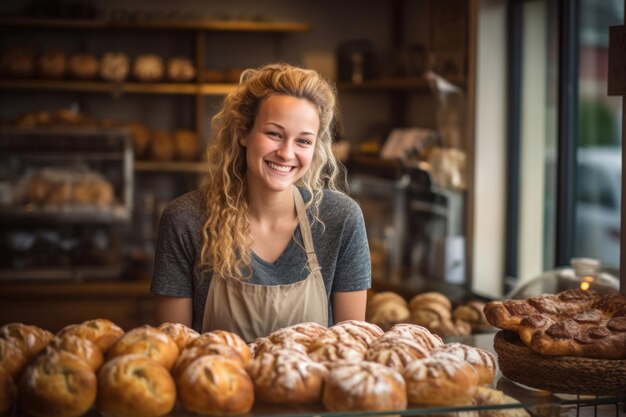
(286,377)
(431,297)
(79,346)
(440,381)
(217,386)
(418,333)
(386,309)
(447,328)
(58,384)
(135,386)
(102,332)
(227,338)
(489,396)
(12,358)
(30,339)
(472,313)
(328,349)
(149,341)
(192,353)
(354,330)
(395,352)
(181,334)
(483,361)
(430,314)
(364,386)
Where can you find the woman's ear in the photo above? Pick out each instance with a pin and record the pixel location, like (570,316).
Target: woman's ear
(244,140)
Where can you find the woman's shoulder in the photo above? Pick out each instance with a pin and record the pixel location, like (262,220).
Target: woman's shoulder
(335,204)
(190,205)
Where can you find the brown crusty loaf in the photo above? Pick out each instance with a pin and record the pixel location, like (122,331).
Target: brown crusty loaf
(472,313)
(364,386)
(483,361)
(431,297)
(182,335)
(58,384)
(192,353)
(386,309)
(102,332)
(356,331)
(395,352)
(418,333)
(286,377)
(12,358)
(490,396)
(227,338)
(327,350)
(31,339)
(135,386)
(149,341)
(303,333)
(442,380)
(81,347)
(264,344)
(216,385)
(7,391)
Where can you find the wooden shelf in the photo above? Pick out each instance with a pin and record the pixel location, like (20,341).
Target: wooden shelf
(386,84)
(206,25)
(117,88)
(174,166)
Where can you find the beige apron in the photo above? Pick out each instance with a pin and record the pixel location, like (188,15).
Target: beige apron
(253,311)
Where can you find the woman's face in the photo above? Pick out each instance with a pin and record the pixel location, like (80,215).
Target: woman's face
(280,146)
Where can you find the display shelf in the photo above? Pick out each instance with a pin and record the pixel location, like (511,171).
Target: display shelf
(387,84)
(206,89)
(155,166)
(206,25)
(65,214)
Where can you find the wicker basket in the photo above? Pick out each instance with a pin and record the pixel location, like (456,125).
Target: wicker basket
(558,374)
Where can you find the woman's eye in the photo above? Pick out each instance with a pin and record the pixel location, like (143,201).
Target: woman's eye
(305,141)
(273,134)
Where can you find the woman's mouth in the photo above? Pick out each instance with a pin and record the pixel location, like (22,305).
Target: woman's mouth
(279,168)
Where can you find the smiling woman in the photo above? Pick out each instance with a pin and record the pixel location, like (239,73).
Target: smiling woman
(269,241)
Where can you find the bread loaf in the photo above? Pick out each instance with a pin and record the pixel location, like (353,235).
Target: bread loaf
(472,313)
(148,341)
(192,353)
(286,377)
(162,147)
(483,361)
(135,386)
(83,66)
(489,396)
(224,337)
(217,386)
(327,350)
(58,384)
(102,332)
(431,297)
(7,391)
(181,334)
(441,381)
(12,358)
(180,69)
(364,386)
(30,339)
(148,68)
(81,347)
(359,331)
(419,334)
(52,64)
(140,135)
(187,145)
(386,309)
(264,344)
(395,352)
(114,66)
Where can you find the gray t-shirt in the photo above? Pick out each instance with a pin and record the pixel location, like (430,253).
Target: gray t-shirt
(340,245)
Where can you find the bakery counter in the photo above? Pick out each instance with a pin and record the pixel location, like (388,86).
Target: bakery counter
(54,304)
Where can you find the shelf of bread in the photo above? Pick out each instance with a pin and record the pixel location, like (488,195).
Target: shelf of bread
(181,24)
(385,84)
(117,88)
(171,166)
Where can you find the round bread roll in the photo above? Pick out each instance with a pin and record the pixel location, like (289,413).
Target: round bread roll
(114,66)
(182,335)
(102,332)
(192,353)
(31,339)
(444,380)
(490,396)
(395,352)
(12,358)
(7,391)
(148,68)
(216,385)
(327,350)
(135,386)
(52,63)
(360,331)
(187,144)
(448,328)
(180,69)
(431,297)
(430,314)
(303,333)
(483,361)
(83,66)
(419,334)
(286,377)
(140,135)
(18,61)
(386,309)
(162,147)
(79,346)
(472,313)
(264,344)
(147,340)
(364,386)
(224,337)
(58,384)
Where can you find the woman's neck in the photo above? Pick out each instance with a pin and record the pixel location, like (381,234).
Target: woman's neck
(271,208)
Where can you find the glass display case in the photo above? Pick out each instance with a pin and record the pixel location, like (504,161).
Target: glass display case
(65,196)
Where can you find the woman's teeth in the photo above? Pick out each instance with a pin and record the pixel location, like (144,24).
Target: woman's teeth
(280,168)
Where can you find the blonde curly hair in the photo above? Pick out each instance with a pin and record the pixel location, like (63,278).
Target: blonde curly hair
(226,233)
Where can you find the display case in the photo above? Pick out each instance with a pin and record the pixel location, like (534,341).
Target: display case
(65,198)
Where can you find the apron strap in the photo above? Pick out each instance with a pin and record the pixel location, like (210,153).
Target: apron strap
(305,229)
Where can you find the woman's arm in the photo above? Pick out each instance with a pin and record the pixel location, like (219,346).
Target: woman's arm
(349,305)
(173,310)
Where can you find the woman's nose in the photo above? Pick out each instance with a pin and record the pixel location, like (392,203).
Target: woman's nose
(285,149)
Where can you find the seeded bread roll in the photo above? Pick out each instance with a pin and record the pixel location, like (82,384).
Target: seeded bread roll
(7,391)
(419,334)
(81,347)
(182,335)
(102,332)
(149,341)
(12,358)
(395,352)
(58,384)
(484,362)
(192,353)
(364,386)
(135,386)
(217,386)
(444,380)
(286,377)
(31,339)
(224,337)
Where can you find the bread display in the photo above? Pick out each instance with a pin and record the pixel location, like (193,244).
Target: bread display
(571,323)
(102,332)
(18,61)
(187,145)
(52,64)
(224,337)
(364,386)
(79,346)
(386,309)
(135,386)
(442,380)
(162,147)
(148,68)
(483,362)
(58,384)
(180,69)
(181,334)
(148,341)
(30,339)
(83,66)
(217,386)
(114,66)
(286,377)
